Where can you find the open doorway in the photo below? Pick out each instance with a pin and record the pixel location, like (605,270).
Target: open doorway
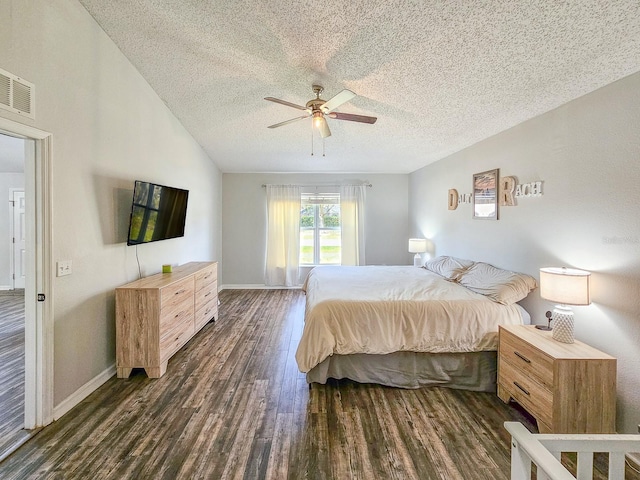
(26,326)
(12,283)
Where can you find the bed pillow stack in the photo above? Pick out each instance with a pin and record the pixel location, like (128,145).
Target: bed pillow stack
(501,286)
(450,268)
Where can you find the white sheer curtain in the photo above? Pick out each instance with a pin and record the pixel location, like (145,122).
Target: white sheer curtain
(352,199)
(283,235)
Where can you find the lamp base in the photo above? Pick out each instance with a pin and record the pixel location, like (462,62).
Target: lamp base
(546,328)
(563,324)
(417,260)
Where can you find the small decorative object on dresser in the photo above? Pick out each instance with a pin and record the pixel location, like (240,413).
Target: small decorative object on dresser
(157,315)
(568,388)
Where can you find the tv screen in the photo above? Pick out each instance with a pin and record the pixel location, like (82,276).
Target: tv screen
(158,212)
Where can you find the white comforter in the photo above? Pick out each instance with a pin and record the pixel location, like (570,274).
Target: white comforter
(381,310)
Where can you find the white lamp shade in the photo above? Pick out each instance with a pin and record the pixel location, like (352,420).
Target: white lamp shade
(417,245)
(567,286)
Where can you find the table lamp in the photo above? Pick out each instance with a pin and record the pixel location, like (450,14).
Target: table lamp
(417,246)
(566,286)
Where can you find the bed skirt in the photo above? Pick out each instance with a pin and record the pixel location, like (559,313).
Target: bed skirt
(475,371)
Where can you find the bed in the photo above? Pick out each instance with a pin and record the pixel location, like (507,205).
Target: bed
(409,327)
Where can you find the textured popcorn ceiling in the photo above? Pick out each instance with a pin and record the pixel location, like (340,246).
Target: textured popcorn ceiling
(439,75)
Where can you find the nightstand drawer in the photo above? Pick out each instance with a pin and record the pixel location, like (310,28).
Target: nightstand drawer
(527,359)
(534,397)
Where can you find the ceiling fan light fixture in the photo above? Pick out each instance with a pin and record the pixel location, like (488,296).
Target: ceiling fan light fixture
(321,124)
(318,119)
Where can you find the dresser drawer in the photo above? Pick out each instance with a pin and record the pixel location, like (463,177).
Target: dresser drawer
(176,293)
(534,397)
(206,312)
(526,359)
(206,277)
(175,338)
(179,314)
(206,295)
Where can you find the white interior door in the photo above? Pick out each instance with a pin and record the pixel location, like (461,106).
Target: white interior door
(19,239)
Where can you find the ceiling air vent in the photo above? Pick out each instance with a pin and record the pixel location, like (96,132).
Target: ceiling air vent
(16,94)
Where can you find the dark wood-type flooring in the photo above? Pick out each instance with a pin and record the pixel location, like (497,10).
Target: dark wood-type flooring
(11,369)
(234,405)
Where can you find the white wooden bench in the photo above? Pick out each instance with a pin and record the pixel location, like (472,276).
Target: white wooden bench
(544,451)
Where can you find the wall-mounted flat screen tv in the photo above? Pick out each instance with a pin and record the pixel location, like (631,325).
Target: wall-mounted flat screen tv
(158,212)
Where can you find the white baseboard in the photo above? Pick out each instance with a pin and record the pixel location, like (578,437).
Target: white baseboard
(5,287)
(256,286)
(83,392)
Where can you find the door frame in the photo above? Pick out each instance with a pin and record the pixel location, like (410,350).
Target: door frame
(39,269)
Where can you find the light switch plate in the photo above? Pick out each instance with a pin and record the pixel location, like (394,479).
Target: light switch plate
(63,268)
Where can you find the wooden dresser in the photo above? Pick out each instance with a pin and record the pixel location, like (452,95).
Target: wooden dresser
(157,315)
(567,387)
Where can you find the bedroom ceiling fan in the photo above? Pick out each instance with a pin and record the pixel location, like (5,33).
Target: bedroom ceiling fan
(317,108)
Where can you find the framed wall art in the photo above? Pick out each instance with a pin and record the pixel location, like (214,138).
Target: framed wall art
(485,195)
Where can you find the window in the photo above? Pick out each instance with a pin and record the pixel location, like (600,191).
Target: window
(320,236)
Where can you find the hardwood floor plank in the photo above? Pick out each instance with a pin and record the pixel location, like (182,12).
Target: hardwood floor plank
(11,368)
(234,405)
(278,462)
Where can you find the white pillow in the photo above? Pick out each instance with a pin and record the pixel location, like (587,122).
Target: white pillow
(449,267)
(501,286)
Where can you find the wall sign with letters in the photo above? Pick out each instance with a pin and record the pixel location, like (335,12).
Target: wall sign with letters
(508,193)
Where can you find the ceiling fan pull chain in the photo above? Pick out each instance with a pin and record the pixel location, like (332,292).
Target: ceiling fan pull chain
(312,140)
(323,147)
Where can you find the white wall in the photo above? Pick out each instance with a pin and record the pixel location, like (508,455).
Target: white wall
(8,181)
(587,153)
(109,128)
(244,220)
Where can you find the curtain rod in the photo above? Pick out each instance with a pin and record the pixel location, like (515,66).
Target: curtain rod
(264,185)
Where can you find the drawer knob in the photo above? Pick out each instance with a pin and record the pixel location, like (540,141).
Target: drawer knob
(526,392)
(519,355)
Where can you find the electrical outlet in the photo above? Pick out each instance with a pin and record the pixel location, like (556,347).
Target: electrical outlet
(63,268)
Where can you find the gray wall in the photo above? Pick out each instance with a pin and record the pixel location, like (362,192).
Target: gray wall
(108,128)
(244,220)
(586,153)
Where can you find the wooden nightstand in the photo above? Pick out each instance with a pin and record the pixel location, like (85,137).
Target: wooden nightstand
(567,387)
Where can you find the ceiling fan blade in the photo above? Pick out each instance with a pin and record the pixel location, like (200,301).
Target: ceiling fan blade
(337,100)
(284,102)
(288,121)
(324,128)
(352,117)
